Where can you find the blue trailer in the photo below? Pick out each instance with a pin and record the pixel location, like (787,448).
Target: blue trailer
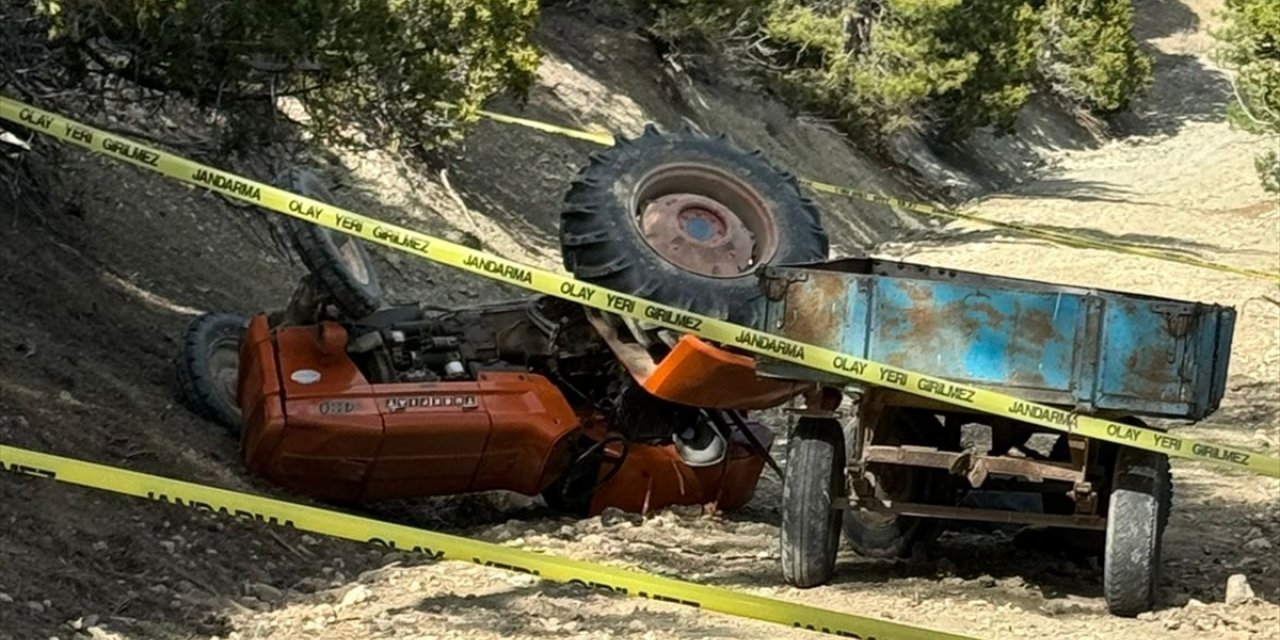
(889,468)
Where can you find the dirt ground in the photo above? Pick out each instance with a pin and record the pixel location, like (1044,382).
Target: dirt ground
(95,287)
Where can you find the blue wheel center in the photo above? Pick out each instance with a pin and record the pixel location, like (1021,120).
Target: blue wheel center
(699,229)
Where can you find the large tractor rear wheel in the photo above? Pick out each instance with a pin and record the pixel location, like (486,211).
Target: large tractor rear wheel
(687,220)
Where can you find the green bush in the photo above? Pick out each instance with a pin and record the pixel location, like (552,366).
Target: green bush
(947,66)
(374,72)
(1089,53)
(1249,45)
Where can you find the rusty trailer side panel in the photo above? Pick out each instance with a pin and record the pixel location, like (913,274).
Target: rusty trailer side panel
(1091,350)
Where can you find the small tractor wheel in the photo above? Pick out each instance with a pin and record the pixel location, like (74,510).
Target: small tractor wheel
(338,260)
(812,481)
(1140,501)
(687,220)
(208,364)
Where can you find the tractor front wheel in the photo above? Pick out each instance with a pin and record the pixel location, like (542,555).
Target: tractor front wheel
(208,365)
(338,260)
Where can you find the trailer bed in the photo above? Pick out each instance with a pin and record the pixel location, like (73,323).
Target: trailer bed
(1095,351)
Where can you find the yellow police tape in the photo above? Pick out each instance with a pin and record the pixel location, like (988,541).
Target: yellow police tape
(440,546)
(1057,237)
(549,283)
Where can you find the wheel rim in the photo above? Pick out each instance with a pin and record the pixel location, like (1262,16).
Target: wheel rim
(224,368)
(704,220)
(353,259)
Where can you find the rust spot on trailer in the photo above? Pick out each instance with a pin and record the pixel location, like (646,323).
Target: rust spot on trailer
(1036,327)
(816,309)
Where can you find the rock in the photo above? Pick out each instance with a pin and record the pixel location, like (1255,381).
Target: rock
(311,585)
(613,516)
(1257,545)
(266,592)
(169,546)
(6,598)
(984,581)
(355,595)
(314,624)
(100,546)
(35,607)
(1238,589)
(1173,624)
(1194,604)
(1058,606)
(1206,623)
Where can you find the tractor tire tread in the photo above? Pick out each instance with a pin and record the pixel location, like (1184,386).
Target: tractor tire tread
(195,384)
(601,242)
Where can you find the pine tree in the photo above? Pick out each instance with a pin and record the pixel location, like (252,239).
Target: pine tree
(1089,54)
(1249,45)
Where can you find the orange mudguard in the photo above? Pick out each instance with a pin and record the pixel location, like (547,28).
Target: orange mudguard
(698,374)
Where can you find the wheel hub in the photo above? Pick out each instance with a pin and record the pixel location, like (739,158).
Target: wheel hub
(699,234)
(349,252)
(224,366)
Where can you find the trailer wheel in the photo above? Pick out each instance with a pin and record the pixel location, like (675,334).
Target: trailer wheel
(208,364)
(687,220)
(1140,500)
(812,480)
(338,260)
(884,535)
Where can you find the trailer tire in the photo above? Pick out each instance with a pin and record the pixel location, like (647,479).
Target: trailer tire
(873,535)
(633,208)
(1140,501)
(338,260)
(812,480)
(207,367)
